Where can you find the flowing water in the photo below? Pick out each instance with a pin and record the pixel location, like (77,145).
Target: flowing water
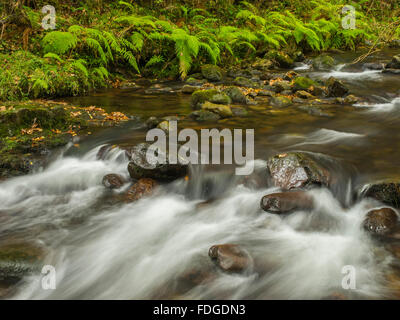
(157,247)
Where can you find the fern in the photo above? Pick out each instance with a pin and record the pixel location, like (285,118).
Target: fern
(59,42)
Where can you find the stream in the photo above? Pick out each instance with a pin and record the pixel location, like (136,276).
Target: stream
(157,248)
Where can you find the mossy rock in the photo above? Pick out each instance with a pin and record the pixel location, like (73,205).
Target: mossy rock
(323,63)
(245,82)
(303,83)
(211,72)
(222,110)
(281,58)
(235,94)
(281,101)
(211,95)
(195,82)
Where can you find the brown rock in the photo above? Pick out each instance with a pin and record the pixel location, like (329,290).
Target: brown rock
(144,187)
(113,181)
(381,221)
(296,170)
(284,202)
(230,257)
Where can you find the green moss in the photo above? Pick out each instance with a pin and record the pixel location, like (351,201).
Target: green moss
(303,83)
(211,95)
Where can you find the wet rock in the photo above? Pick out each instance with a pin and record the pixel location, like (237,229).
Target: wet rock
(315,111)
(203,115)
(281,58)
(18,260)
(303,83)
(187,88)
(373,66)
(103,152)
(336,88)
(323,63)
(211,72)
(142,188)
(113,181)
(152,122)
(244,82)
(395,63)
(141,167)
(304,95)
(387,192)
(296,170)
(380,221)
(235,94)
(230,257)
(286,202)
(164,125)
(222,110)
(211,95)
(281,101)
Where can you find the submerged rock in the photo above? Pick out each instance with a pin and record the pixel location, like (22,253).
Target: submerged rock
(230,257)
(211,72)
(296,170)
(113,181)
(387,192)
(323,63)
(285,202)
(144,187)
(204,115)
(211,95)
(139,166)
(381,221)
(336,88)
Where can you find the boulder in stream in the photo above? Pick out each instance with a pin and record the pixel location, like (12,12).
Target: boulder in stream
(395,63)
(381,221)
(139,166)
(387,192)
(211,95)
(230,257)
(222,110)
(336,88)
(323,63)
(296,170)
(143,187)
(113,181)
(286,202)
